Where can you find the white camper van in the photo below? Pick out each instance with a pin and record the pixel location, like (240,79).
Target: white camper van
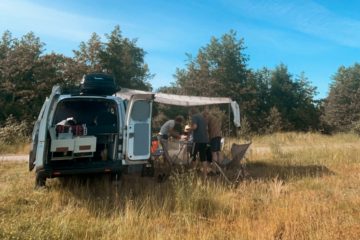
(90,131)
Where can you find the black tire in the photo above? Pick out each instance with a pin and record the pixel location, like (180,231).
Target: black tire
(114,177)
(40,180)
(148,171)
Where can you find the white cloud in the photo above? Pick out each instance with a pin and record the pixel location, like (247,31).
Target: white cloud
(21,16)
(304,16)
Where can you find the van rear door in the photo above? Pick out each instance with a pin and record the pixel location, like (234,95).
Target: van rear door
(35,137)
(137,136)
(41,145)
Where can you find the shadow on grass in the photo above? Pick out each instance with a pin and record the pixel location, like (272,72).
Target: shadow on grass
(265,171)
(103,196)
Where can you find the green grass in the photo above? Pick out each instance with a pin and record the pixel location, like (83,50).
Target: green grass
(294,191)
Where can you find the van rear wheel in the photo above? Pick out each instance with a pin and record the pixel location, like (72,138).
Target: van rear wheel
(148,170)
(40,180)
(114,177)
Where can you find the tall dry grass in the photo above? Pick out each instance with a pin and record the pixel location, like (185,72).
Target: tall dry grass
(294,191)
(19,148)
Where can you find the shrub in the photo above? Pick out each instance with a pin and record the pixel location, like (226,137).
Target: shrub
(274,120)
(245,129)
(14,131)
(356,128)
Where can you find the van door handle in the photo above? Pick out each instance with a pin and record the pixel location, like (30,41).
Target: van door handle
(131,135)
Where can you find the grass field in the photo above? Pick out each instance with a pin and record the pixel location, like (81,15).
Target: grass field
(21,148)
(300,186)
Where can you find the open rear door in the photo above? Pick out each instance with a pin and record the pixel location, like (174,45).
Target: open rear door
(138,128)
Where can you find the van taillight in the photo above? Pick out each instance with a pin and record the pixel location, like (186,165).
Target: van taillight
(62,149)
(85,147)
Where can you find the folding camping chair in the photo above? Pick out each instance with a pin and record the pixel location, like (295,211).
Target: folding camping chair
(235,166)
(156,157)
(179,152)
(175,149)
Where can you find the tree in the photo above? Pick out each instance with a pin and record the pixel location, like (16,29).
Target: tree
(27,75)
(88,55)
(17,66)
(220,69)
(308,109)
(342,106)
(294,99)
(125,61)
(118,56)
(260,105)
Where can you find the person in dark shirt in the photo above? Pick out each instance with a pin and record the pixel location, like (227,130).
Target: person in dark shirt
(200,138)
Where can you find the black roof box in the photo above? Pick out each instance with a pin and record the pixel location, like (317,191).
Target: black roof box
(98,84)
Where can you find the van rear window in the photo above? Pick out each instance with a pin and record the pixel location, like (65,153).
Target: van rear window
(87,111)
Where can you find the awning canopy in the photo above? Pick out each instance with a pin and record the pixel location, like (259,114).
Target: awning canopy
(187,101)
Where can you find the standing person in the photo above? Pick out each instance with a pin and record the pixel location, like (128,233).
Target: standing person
(200,138)
(168,130)
(214,131)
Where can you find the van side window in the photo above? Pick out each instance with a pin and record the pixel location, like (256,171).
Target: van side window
(141,111)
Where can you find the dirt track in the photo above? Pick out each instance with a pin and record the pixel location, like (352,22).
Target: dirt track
(14,157)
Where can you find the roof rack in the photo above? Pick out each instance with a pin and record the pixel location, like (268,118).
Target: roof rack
(98,84)
(71,90)
(94,84)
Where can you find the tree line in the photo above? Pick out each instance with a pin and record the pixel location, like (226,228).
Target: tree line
(271,100)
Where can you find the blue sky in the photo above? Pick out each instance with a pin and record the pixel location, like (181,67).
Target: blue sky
(311,36)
